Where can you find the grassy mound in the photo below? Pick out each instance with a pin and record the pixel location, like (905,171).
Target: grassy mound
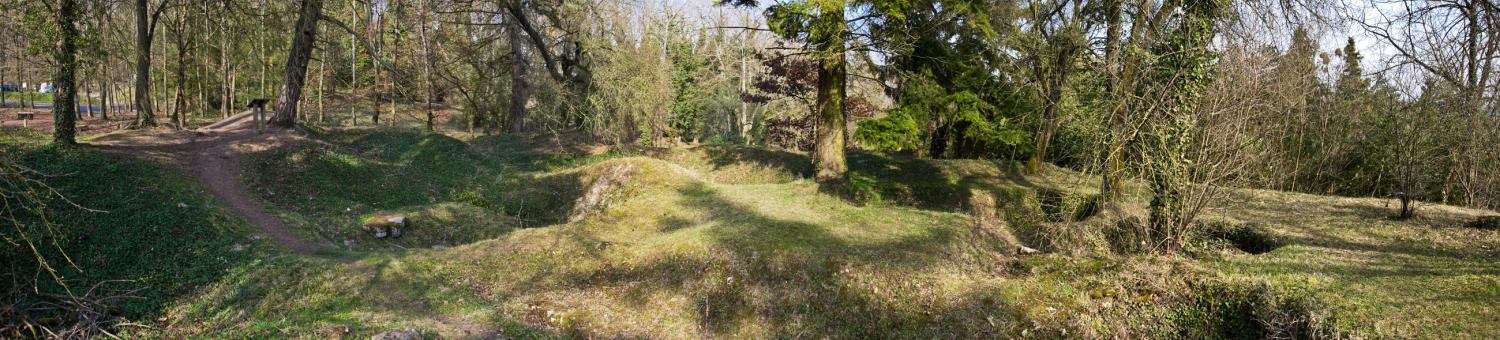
(722,241)
(741,165)
(116,220)
(1424,277)
(327,188)
(729,241)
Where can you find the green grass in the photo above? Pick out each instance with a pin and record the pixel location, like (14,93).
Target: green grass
(723,241)
(29,97)
(729,241)
(1424,278)
(128,215)
(198,271)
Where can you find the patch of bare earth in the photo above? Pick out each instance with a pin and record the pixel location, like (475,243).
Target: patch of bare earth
(213,155)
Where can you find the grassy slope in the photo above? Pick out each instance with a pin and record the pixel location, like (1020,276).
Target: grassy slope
(731,242)
(198,270)
(1424,278)
(128,214)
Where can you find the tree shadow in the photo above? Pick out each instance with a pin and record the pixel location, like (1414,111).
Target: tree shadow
(722,156)
(802,279)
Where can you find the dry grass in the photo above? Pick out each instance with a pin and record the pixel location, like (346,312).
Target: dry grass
(1428,277)
(736,243)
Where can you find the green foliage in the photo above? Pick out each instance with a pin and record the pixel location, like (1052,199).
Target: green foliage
(688,98)
(113,221)
(1351,80)
(1181,68)
(897,131)
(965,115)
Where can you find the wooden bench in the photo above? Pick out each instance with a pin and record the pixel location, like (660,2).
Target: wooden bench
(25,117)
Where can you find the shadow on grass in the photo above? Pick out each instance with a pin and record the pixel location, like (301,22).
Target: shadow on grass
(138,226)
(800,279)
(721,156)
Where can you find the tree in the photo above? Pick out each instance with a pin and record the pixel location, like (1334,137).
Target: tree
(515,120)
(1056,39)
(1182,68)
(296,63)
(64,105)
(820,24)
(145,31)
(1351,80)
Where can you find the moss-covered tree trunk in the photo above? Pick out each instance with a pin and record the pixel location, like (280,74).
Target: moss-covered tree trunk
(828,38)
(1052,88)
(296,64)
(517,113)
(145,113)
(1183,72)
(65,103)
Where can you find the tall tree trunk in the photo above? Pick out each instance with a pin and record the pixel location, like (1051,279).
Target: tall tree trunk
(744,123)
(2,77)
(830,118)
(178,100)
(64,105)
(226,97)
(1110,186)
(104,88)
(426,64)
(234,82)
(353,65)
(145,113)
(322,73)
(296,63)
(394,9)
(88,101)
(378,35)
(265,66)
(1052,89)
(515,121)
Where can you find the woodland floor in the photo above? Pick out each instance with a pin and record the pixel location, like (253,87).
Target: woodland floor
(213,155)
(517,237)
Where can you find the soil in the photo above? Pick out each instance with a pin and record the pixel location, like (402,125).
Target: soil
(87,125)
(213,155)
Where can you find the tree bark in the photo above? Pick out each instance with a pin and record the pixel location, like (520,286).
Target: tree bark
(514,123)
(104,89)
(2,76)
(426,64)
(353,65)
(64,105)
(144,26)
(178,100)
(226,101)
(375,54)
(1052,86)
(88,101)
(296,64)
(830,119)
(322,87)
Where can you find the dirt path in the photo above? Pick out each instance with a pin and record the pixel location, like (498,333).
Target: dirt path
(213,155)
